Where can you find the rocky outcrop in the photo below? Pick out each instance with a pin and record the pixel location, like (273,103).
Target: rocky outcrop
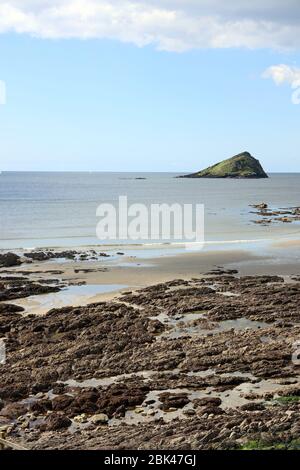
(269,216)
(9,259)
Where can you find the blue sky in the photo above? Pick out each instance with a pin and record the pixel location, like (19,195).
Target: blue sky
(105,104)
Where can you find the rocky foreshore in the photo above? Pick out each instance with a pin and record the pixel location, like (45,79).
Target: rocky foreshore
(209,363)
(268,215)
(10,259)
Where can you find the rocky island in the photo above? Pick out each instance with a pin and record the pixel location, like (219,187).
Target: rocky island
(242,165)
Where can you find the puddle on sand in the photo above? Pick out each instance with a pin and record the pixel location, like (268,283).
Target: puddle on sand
(106,381)
(173,321)
(240,324)
(178,328)
(228,294)
(150,410)
(69,296)
(153,412)
(231,399)
(147,375)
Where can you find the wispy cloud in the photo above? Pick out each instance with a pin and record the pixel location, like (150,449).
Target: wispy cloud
(173,25)
(282,73)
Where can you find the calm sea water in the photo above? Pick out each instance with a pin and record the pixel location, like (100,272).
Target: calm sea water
(59,209)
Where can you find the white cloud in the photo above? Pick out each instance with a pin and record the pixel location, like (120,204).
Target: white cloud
(282,73)
(173,25)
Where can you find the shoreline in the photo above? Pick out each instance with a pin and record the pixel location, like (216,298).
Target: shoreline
(284,237)
(115,271)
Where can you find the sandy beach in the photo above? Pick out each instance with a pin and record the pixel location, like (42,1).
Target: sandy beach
(102,279)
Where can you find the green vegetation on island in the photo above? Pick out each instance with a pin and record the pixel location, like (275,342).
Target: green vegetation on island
(242,165)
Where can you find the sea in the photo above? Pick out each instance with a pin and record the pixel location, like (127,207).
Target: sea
(58,209)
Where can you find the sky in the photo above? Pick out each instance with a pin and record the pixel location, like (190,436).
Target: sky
(157,85)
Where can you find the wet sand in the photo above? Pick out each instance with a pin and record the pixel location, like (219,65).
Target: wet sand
(93,281)
(103,278)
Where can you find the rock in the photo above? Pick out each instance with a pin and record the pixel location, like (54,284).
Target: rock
(38,256)
(56,422)
(207,401)
(262,222)
(262,205)
(10,290)
(173,400)
(84,402)
(59,388)
(150,402)
(189,412)
(221,272)
(9,259)
(139,410)
(62,402)
(269,216)
(80,418)
(100,418)
(48,255)
(242,165)
(253,406)
(13,410)
(118,397)
(10,308)
(41,406)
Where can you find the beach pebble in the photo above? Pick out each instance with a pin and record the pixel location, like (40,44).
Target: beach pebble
(139,410)
(100,418)
(80,418)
